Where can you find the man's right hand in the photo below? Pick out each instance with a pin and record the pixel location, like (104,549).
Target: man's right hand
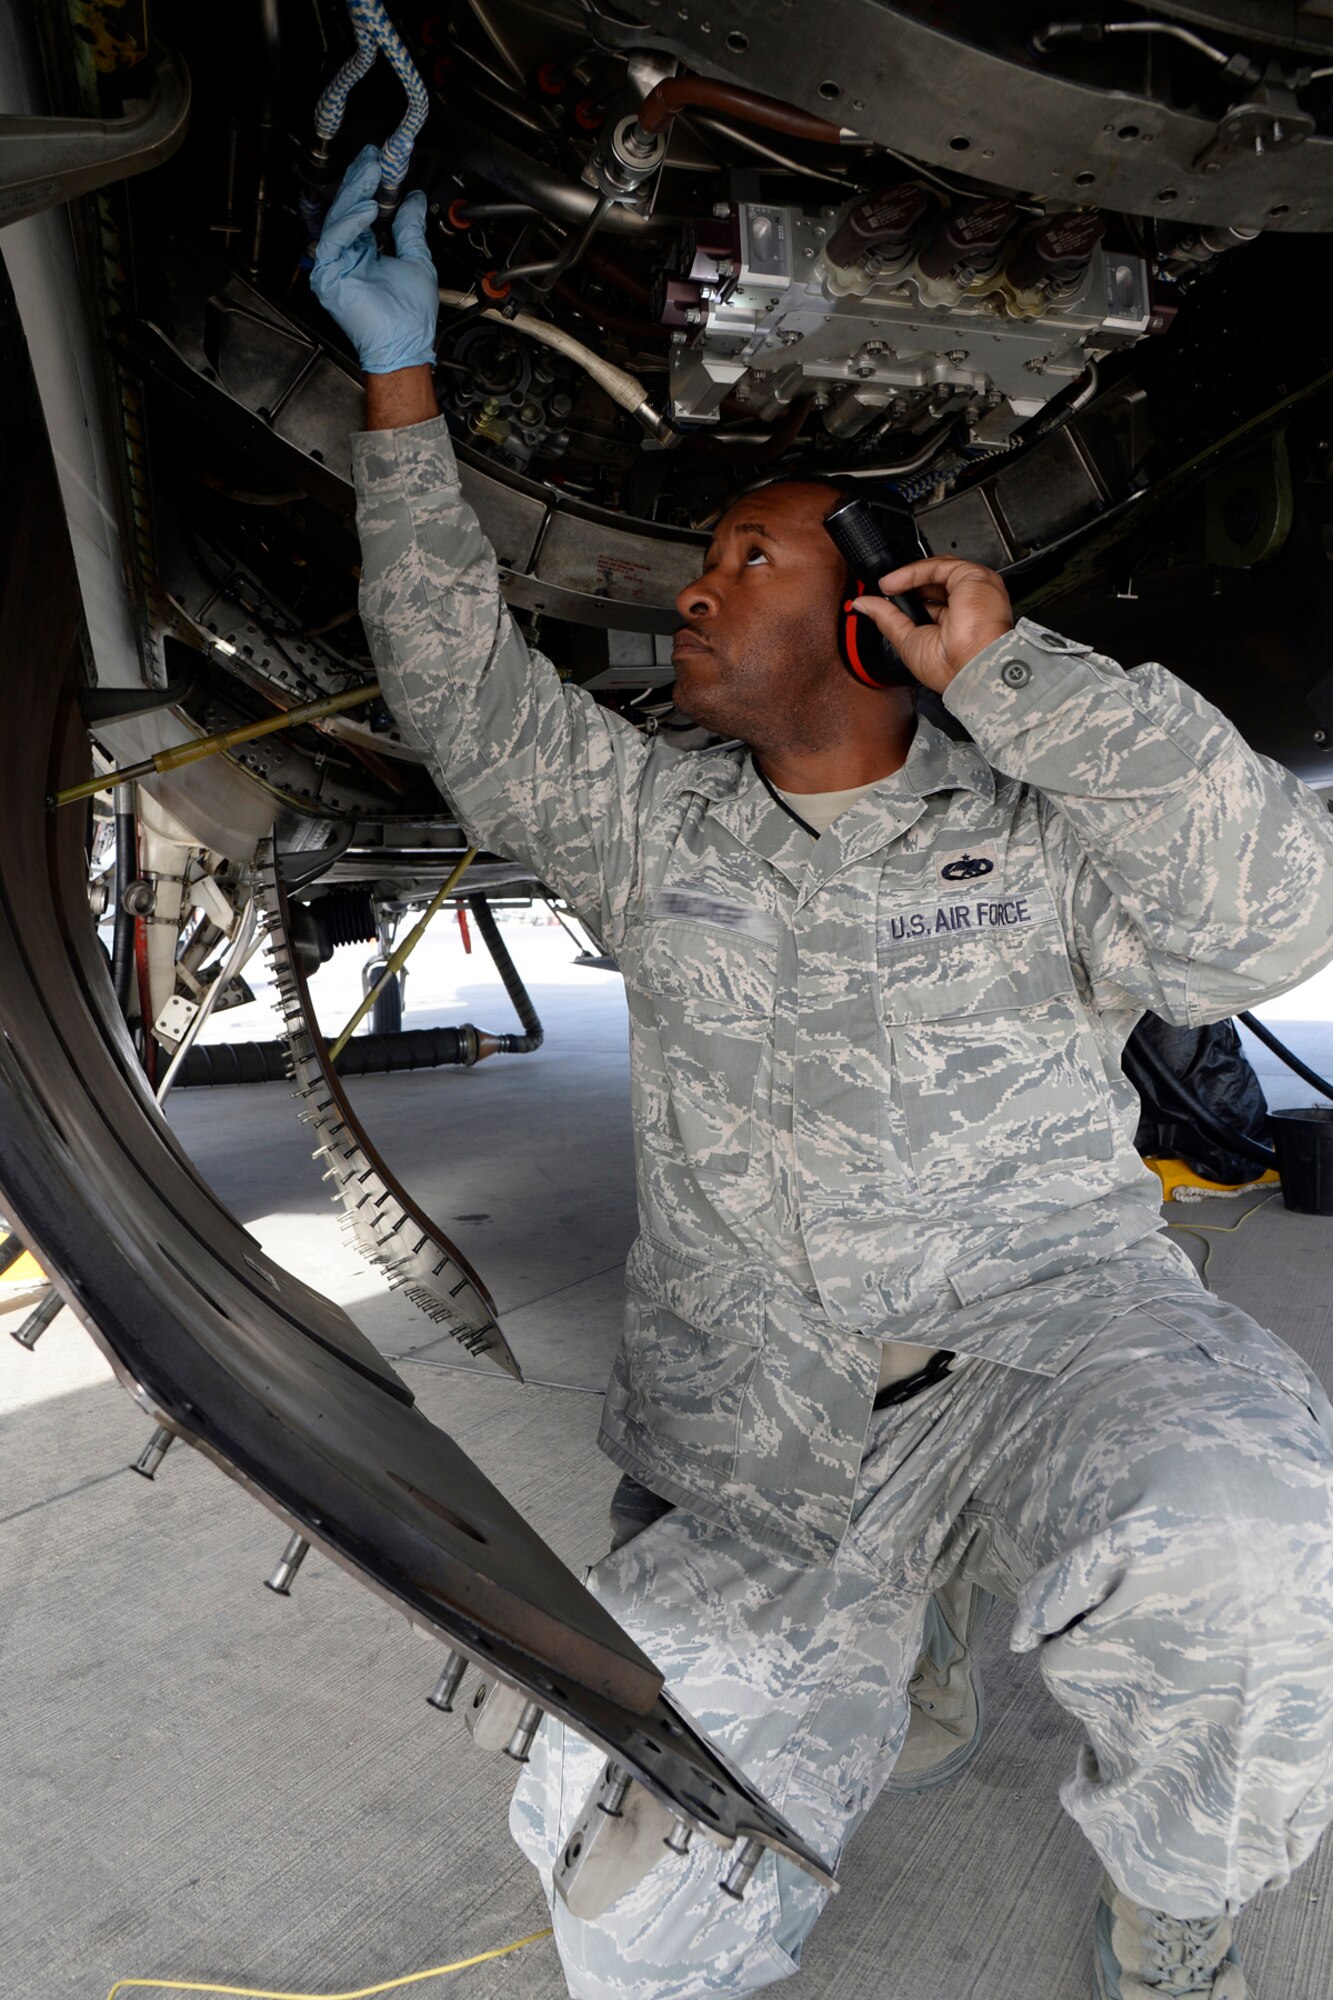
(387,306)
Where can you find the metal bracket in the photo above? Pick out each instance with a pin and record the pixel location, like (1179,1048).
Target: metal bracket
(46,161)
(622,1834)
(500,1717)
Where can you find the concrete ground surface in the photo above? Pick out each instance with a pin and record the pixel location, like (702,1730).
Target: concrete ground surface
(202,1780)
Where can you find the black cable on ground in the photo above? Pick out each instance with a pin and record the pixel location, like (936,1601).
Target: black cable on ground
(1270,1040)
(365,1055)
(533,1034)
(1143,1058)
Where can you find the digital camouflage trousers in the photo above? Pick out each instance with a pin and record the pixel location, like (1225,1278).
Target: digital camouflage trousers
(1160,1517)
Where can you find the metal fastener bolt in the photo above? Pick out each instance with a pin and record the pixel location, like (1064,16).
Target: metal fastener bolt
(749,1853)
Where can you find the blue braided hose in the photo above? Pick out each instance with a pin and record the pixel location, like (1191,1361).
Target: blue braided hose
(333,99)
(374,32)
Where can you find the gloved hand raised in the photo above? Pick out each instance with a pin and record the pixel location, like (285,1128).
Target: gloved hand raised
(387,306)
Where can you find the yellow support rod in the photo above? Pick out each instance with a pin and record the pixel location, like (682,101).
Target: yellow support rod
(210,746)
(400,957)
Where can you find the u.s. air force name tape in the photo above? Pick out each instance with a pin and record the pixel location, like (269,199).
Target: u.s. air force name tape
(984,913)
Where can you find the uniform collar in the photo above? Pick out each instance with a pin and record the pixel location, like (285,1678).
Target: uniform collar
(937,763)
(744,804)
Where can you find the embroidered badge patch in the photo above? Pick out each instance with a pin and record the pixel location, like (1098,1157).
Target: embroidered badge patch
(703,909)
(968,866)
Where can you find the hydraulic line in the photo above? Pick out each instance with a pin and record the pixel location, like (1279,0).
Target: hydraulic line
(122,936)
(533,1034)
(492,159)
(679,93)
(620,386)
(543,275)
(769,153)
(1143,1066)
(265,125)
(209,746)
(145,1002)
(374,33)
(1270,1040)
(1094,31)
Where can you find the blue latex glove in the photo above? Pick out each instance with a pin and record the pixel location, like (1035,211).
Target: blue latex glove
(387,306)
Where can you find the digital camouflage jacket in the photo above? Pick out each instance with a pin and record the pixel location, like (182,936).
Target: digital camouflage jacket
(876,1082)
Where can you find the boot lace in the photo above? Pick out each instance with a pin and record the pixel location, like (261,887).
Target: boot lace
(1184,1952)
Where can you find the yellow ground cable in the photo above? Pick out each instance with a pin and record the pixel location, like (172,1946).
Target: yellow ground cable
(361,1993)
(400,957)
(1220,1229)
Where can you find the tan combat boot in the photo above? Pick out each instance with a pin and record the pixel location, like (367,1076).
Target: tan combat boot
(948,1712)
(1144,1954)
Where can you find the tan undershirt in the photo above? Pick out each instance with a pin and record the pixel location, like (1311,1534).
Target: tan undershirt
(819,810)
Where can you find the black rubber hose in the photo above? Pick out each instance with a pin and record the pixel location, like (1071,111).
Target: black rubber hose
(365,1055)
(533,1033)
(1270,1040)
(1152,1071)
(127,867)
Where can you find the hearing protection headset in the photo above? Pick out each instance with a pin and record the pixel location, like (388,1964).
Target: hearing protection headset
(871,542)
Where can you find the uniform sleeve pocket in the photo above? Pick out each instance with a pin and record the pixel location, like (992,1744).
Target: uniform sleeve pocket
(692,1341)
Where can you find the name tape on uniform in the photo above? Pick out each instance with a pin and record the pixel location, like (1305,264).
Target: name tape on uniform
(704,909)
(982,913)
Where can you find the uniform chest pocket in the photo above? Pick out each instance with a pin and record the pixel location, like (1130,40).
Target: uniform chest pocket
(997,1074)
(709,990)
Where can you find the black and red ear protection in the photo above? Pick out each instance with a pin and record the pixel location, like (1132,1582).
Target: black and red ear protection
(863,649)
(871,544)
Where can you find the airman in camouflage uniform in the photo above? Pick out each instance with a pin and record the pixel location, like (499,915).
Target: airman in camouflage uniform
(877,1099)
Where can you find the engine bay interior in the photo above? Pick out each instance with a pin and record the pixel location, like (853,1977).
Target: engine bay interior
(1076,383)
